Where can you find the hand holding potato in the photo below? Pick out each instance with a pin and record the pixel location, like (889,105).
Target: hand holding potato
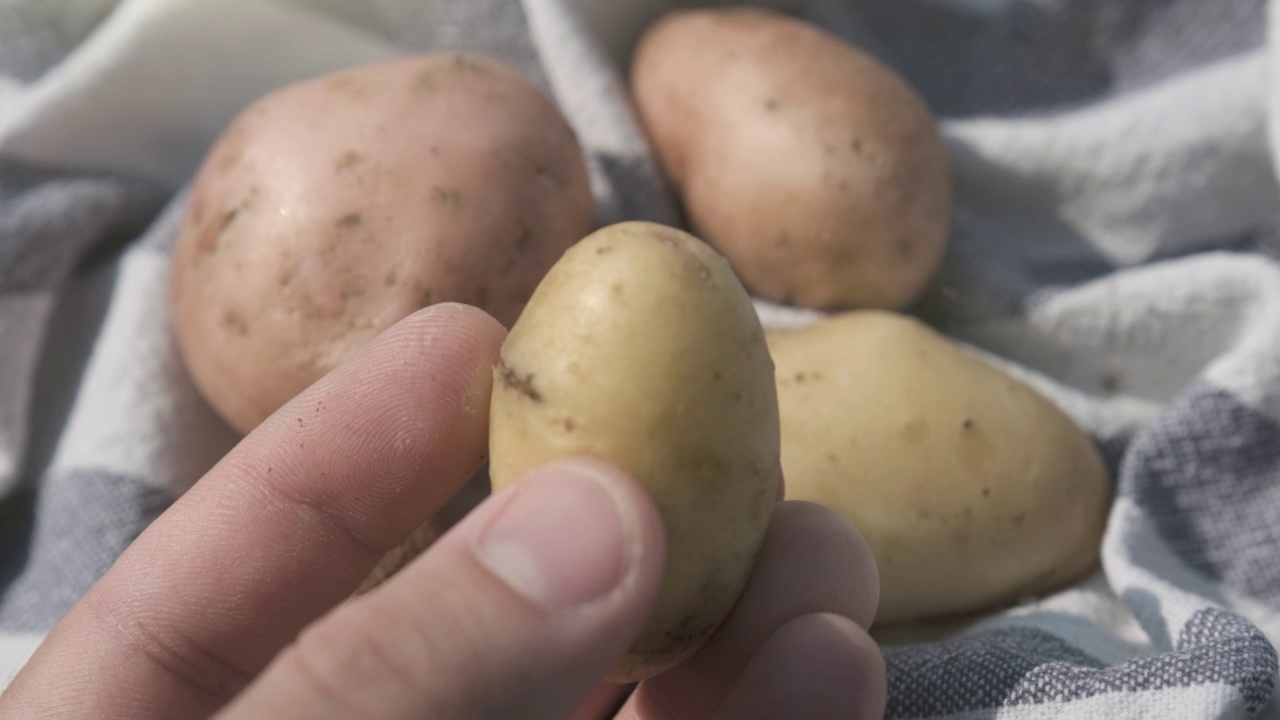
(522,608)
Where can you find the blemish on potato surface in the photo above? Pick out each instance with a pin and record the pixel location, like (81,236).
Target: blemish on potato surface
(522,384)
(450,196)
(236,322)
(424,293)
(349,220)
(348,160)
(915,430)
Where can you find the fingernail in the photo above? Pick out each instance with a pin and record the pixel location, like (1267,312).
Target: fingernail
(560,541)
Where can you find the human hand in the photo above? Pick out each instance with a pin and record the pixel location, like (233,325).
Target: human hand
(232,602)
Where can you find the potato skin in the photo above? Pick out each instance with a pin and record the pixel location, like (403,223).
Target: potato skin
(332,208)
(641,348)
(816,170)
(972,490)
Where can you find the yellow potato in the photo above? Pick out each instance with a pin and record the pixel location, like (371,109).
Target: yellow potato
(332,208)
(971,489)
(641,348)
(816,170)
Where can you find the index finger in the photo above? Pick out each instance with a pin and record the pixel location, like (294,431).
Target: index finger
(282,529)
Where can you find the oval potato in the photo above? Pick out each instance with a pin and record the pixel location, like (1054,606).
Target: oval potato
(816,170)
(971,489)
(332,208)
(641,348)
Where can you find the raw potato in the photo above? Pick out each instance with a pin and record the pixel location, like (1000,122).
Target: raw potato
(816,170)
(330,209)
(642,349)
(971,489)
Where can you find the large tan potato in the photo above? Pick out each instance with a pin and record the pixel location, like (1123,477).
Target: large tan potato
(971,489)
(816,170)
(330,209)
(642,349)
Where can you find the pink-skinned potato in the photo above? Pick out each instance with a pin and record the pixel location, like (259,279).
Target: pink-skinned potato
(332,208)
(817,171)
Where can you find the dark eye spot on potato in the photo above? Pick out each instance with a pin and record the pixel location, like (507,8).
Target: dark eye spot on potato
(770,105)
(348,160)
(212,238)
(236,323)
(393,277)
(986,492)
(349,220)
(513,380)
(968,423)
(570,425)
(784,240)
(525,236)
(604,249)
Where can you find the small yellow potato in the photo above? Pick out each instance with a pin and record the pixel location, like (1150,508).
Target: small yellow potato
(972,490)
(332,208)
(641,349)
(815,169)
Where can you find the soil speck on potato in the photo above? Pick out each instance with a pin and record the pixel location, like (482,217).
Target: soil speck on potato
(392,277)
(349,220)
(447,196)
(513,380)
(771,105)
(424,293)
(463,63)
(345,83)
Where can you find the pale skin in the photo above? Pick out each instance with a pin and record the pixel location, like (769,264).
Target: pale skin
(234,603)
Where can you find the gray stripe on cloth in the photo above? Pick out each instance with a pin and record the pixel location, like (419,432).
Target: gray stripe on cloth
(1207,473)
(1016,57)
(1027,666)
(84,519)
(36,34)
(50,219)
(444,24)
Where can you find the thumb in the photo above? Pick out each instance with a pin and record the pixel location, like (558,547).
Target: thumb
(521,609)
